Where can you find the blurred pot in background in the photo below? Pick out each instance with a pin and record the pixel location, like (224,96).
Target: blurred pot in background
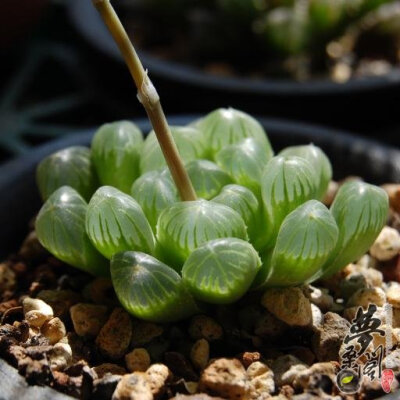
(17,18)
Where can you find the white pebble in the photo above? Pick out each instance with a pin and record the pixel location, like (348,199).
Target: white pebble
(387,244)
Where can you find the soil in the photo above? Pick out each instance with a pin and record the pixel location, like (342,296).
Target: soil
(78,340)
(219,46)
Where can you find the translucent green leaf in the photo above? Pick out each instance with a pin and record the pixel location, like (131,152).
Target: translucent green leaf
(286,31)
(116,149)
(154,191)
(360,211)
(287,182)
(326,15)
(246,204)
(245,162)
(189,141)
(60,227)
(149,289)
(319,162)
(223,127)
(115,222)
(221,271)
(68,167)
(207,178)
(306,239)
(185,226)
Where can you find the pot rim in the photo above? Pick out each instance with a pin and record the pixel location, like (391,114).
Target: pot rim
(89,24)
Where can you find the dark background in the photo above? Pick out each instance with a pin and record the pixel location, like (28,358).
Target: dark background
(53,83)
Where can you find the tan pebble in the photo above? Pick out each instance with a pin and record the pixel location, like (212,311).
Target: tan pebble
(304,378)
(393,191)
(330,194)
(88,319)
(366,262)
(289,305)
(283,364)
(393,294)
(144,332)
(36,311)
(321,298)
(114,337)
(137,360)
(261,381)
(386,245)
(59,300)
(327,340)
(292,373)
(249,358)
(392,361)
(133,387)
(54,330)
(36,318)
(226,378)
(204,327)
(366,296)
(317,317)
(108,368)
(191,387)
(200,354)
(8,279)
(157,376)
(60,356)
(197,396)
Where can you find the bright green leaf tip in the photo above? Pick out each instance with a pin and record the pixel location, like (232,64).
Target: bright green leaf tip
(60,227)
(116,150)
(185,226)
(72,167)
(149,289)
(221,270)
(360,210)
(115,222)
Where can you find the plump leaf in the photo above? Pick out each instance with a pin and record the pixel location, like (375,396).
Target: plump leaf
(115,222)
(223,127)
(116,149)
(245,162)
(287,182)
(207,178)
(68,167)
(286,31)
(185,226)
(360,211)
(246,204)
(154,191)
(60,227)
(319,161)
(221,270)
(149,289)
(305,241)
(189,141)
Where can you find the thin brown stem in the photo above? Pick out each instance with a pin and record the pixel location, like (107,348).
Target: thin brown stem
(148,96)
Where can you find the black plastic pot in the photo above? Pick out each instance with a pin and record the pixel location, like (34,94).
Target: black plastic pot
(89,23)
(19,200)
(366,105)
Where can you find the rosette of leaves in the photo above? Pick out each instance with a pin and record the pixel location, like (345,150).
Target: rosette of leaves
(258,220)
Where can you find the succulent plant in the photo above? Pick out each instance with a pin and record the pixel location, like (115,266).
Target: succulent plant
(240,226)
(302,39)
(258,220)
